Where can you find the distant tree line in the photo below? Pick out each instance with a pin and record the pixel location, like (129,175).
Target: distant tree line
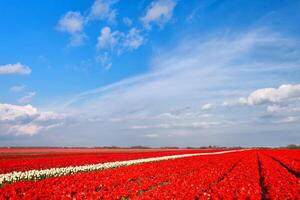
(290,146)
(293,146)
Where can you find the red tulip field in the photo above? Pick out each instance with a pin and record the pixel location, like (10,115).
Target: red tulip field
(150,174)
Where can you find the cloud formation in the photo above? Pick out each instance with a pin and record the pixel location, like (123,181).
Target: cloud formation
(27,98)
(17,68)
(286,92)
(107,39)
(73,23)
(159,12)
(111,42)
(102,10)
(133,39)
(26,120)
(172,97)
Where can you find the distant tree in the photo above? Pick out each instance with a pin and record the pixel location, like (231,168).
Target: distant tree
(293,146)
(139,147)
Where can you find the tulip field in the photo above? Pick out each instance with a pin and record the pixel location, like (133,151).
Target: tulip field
(149,174)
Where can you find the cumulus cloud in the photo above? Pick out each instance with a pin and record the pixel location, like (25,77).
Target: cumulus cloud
(17,68)
(284,92)
(25,129)
(117,42)
(159,12)
(9,112)
(107,39)
(102,10)
(73,23)
(26,120)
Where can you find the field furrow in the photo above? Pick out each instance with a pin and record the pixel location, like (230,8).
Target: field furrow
(278,181)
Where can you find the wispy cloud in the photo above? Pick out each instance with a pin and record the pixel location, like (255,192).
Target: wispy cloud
(105,60)
(17,68)
(159,12)
(17,88)
(188,76)
(27,98)
(127,21)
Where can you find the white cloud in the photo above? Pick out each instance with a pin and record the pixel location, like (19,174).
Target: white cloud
(289,119)
(133,39)
(73,23)
(178,125)
(274,108)
(151,135)
(77,39)
(26,120)
(102,10)
(17,68)
(207,106)
(118,42)
(26,129)
(127,21)
(10,112)
(159,12)
(292,107)
(272,95)
(166,97)
(107,38)
(50,116)
(27,98)
(17,88)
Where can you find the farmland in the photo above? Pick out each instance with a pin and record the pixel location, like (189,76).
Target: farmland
(149,174)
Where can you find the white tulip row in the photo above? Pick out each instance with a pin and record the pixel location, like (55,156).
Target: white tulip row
(53,172)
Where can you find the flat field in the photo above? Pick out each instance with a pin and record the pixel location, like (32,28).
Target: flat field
(149,174)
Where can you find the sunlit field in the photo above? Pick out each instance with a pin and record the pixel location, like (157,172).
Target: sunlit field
(150,99)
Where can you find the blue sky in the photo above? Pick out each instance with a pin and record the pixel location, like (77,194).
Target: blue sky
(155,73)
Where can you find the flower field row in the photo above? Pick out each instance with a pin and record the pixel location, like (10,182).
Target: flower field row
(287,159)
(243,182)
(250,174)
(11,163)
(53,172)
(159,180)
(279,183)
